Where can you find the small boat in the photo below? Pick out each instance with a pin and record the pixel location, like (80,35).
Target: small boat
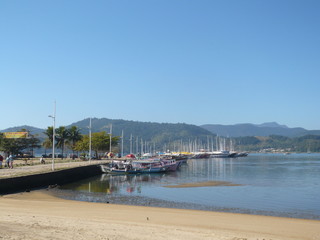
(201,155)
(242,154)
(220,154)
(172,164)
(134,167)
(112,170)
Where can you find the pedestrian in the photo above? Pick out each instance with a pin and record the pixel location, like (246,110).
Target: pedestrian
(7,162)
(42,161)
(1,160)
(10,161)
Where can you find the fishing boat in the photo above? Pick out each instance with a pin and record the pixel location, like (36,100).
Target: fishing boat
(115,170)
(172,164)
(180,158)
(136,167)
(221,154)
(242,154)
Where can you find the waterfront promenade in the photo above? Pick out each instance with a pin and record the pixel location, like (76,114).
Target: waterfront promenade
(20,169)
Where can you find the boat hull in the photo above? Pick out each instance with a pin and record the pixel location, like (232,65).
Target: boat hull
(112,170)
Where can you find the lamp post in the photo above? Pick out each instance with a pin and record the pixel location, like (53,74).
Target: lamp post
(122,144)
(110,136)
(53,134)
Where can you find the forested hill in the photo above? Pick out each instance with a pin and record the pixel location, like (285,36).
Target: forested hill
(37,132)
(163,132)
(148,131)
(265,129)
(272,135)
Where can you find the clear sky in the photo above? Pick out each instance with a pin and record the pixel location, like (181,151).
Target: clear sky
(190,61)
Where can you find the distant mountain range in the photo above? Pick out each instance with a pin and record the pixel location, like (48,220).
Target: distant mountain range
(265,129)
(145,131)
(39,132)
(159,132)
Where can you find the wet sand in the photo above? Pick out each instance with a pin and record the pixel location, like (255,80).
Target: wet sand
(39,215)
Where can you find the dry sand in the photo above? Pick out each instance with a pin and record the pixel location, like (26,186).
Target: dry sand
(38,215)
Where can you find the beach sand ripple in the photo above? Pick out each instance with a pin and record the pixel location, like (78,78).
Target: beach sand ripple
(38,215)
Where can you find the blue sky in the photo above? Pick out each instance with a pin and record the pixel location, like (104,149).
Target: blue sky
(197,62)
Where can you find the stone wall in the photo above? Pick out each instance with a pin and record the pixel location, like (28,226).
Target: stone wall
(44,180)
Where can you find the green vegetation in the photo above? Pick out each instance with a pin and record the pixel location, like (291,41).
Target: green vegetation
(100,143)
(142,137)
(308,143)
(63,137)
(147,135)
(20,145)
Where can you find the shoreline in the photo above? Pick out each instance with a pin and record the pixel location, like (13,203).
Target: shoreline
(40,215)
(160,203)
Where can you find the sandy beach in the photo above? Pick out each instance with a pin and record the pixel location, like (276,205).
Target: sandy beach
(39,215)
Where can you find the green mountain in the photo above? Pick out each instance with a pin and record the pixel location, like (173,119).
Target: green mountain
(37,132)
(163,136)
(265,129)
(150,135)
(148,131)
(307,143)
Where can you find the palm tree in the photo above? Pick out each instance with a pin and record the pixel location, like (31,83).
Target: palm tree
(47,143)
(74,137)
(49,133)
(62,136)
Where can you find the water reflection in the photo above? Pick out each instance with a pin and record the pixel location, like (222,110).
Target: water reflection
(210,169)
(284,185)
(113,184)
(129,182)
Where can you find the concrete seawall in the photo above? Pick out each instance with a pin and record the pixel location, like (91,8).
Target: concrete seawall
(42,180)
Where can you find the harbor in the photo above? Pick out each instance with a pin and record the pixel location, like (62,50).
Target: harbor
(259,184)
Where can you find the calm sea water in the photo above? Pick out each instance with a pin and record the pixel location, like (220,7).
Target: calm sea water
(271,184)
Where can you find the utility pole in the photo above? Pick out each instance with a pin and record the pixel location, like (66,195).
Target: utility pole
(110,136)
(131,144)
(90,140)
(122,144)
(53,134)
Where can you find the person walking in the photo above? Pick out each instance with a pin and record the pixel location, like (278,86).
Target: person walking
(7,162)
(10,161)
(42,161)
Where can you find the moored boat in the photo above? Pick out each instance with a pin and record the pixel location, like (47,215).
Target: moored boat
(140,166)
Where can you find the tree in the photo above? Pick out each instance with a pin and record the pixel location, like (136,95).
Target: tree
(16,146)
(11,146)
(49,133)
(32,143)
(1,139)
(62,136)
(47,144)
(100,143)
(74,137)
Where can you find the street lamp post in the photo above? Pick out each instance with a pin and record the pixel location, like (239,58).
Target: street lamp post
(110,136)
(122,144)
(53,134)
